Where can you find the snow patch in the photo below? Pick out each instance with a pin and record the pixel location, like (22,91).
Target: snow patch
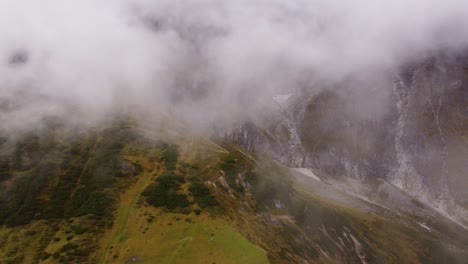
(424,226)
(307,172)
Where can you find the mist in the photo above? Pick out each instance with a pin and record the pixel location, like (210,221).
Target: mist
(206,62)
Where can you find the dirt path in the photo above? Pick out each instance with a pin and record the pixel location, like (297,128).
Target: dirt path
(127,206)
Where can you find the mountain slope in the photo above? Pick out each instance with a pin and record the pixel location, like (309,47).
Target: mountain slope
(414,138)
(131,194)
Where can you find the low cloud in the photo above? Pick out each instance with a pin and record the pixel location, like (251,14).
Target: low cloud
(205,61)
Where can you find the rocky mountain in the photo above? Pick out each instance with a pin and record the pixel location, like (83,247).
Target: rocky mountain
(417,145)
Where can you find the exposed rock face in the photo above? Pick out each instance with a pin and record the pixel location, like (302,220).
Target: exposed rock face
(419,143)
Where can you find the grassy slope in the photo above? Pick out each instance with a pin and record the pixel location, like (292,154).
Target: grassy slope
(247,227)
(150,235)
(138,230)
(176,238)
(13,241)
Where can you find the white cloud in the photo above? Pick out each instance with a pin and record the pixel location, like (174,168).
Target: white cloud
(203,60)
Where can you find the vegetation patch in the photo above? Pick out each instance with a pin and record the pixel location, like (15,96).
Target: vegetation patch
(202,195)
(166,193)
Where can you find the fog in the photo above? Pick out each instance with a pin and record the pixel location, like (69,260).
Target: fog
(205,62)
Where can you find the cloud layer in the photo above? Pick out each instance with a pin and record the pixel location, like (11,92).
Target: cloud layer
(204,61)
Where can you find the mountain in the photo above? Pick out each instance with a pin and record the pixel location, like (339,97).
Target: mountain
(418,145)
(219,132)
(130,193)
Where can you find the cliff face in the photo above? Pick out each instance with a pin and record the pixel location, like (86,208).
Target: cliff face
(418,144)
(430,133)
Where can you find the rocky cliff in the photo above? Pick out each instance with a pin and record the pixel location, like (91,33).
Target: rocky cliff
(415,139)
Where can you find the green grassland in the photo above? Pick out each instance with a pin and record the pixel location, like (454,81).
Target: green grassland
(157,237)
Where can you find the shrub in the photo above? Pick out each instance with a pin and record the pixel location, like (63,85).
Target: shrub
(5,169)
(206,201)
(199,189)
(171,155)
(202,195)
(30,233)
(45,255)
(164,192)
(79,229)
(68,246)
(186,210)
(232,168)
